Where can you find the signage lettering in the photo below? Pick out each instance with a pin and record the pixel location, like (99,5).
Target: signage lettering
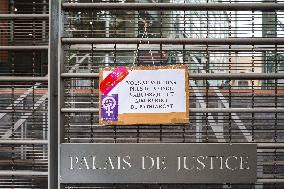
(158,163)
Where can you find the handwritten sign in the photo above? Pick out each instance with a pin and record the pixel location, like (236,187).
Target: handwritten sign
(148,95)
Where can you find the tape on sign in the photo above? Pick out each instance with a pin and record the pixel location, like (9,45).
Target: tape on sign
(116,76)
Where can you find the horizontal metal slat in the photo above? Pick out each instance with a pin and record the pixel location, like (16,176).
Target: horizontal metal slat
(176,6)
(21,111)
(259,180)
(193,110)
(237,110)
(259,145)
(23,173)
(42,173)
(23,16)
(157,47)
(23,141)
(20,78)
(191,41)
(199,76)
(24,47)
(236,76)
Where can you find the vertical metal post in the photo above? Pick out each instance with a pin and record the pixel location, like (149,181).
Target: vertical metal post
(107,25)
(53,94)
(136,24)
(220,118)
(23,133)
(260,161)
(198,123)
(44,21)
(269,28)
(12,10)
(44,125)
(60,69)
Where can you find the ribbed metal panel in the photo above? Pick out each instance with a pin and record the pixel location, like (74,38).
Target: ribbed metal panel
(236,75)
(23,93)
(236,62)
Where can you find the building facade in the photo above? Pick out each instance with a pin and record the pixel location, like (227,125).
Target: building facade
(51,52)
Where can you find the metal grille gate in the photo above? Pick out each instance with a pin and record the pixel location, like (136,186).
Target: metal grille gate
(234,50)
(226,105)
(23,93)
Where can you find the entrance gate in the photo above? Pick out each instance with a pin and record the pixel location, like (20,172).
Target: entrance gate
(234,54)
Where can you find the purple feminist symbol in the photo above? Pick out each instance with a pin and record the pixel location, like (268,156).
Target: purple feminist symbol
(109,107)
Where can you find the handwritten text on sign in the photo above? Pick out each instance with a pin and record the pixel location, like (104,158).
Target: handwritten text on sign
(160,91)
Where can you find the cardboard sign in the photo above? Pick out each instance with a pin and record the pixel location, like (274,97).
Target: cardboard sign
(147,95)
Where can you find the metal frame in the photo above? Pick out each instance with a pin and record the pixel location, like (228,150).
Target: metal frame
(20,78)
(23,173)
(19,111)
(24,47)
(23,141)
(183,41)
(133,47)
(197,76)
(55,79)
(23,16)
(53,113)
(176,6)
(193,110)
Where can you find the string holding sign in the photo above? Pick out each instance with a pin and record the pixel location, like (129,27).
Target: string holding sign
(144,35)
